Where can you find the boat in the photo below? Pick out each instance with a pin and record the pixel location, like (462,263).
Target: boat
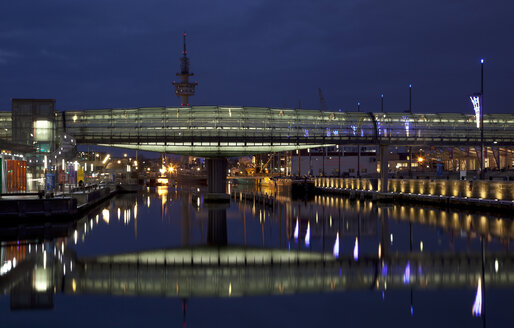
(162,181)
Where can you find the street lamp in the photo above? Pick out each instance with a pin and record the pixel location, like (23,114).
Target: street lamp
(410,98)
(482,119)
(382,103)
(477,99)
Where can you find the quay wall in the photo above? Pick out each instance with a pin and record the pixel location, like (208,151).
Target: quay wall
(485,189)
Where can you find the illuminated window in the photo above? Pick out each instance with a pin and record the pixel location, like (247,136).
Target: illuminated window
(42,130)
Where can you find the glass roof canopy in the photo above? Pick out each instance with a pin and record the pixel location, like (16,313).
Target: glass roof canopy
(236,131)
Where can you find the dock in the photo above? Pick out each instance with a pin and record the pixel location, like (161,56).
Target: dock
(439,200)
(31,208)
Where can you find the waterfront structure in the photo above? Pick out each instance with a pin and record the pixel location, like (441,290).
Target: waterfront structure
(348,161)
(184,88)
(218,132)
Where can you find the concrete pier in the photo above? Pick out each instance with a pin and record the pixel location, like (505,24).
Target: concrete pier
(28,209)
(487,195)
(217,180)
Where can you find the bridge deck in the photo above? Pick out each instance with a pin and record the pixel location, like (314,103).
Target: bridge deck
(235,271)
(232,131)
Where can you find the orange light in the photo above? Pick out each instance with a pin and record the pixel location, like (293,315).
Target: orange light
(421,159)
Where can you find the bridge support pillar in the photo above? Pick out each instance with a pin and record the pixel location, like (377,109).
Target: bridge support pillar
(384,169)
(217,180)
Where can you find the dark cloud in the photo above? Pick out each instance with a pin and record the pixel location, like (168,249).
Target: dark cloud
(95,54)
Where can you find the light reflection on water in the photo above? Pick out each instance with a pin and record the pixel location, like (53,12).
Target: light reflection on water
(159,239)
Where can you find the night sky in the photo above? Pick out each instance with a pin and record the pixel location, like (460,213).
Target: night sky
(111,54)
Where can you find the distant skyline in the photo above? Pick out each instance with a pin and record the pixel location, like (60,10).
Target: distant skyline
(115,54)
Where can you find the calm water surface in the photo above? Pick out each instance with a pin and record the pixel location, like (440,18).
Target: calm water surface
(161,257)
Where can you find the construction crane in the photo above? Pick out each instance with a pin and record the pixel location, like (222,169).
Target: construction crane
(322,100)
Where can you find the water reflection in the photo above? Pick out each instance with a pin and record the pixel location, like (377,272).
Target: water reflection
(252,248)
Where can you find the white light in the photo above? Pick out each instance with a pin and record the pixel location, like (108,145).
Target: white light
(75,237)
(421,246)
(356,249)
(296,230)
(46,162)
(105,215)
(308,235)
(41,280)
(475,100)
(407,126)
(6,267)
(336,246)
(477,305)
(496,265)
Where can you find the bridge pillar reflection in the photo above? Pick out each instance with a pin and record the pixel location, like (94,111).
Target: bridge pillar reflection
(185,222)
(384,231)
(217,224)
(217,180)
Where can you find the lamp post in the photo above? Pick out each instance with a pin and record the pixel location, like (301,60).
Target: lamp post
(358,148)
(382,103)
(410,98)
(477,99)
(482,119)
(410,147)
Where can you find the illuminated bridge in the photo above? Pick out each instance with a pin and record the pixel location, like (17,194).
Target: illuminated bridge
(215,131)
(236,271)
(218,132)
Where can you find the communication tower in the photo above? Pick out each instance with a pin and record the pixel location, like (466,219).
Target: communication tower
(184,89)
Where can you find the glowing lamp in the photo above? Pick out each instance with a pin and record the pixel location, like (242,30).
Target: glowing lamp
(356,249)
(477,106)
(406,274)
(477,305)
(308,235)
(296,230)
(336,246)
